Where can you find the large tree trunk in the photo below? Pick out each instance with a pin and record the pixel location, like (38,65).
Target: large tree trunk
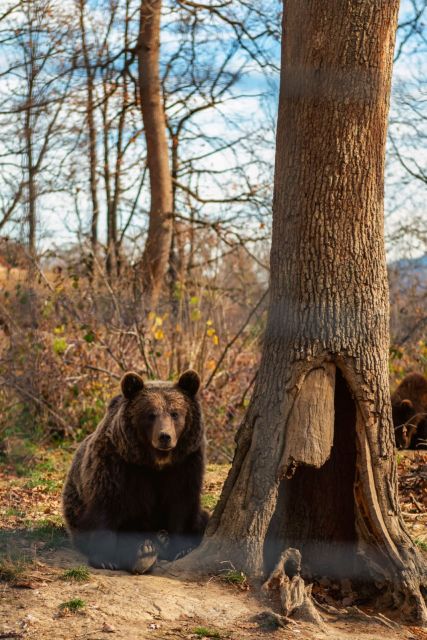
(315,462)
(156,253)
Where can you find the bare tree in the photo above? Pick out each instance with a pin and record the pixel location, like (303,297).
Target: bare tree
(156,252)
(109,124)
(90,70)
(40,72)
(406,176)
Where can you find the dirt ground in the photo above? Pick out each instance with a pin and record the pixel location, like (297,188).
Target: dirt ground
(41,598)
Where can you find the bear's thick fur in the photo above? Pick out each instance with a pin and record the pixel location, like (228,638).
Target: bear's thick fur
(133,491)
(409,406)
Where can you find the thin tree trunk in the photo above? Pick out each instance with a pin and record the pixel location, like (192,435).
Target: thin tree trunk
(29,151)
(32,211)
(117,183)
(315,464)
(93,160)
(173,271)
(110,263)
(156,253)
(177,265)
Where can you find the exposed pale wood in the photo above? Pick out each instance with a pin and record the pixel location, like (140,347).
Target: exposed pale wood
(295,595)
(310,427)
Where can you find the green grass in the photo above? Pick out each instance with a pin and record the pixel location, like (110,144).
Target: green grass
(50,485)
(73,606)
(38,478)
(50,532)
(232,576)
(13,511)
(209,501)
(422,544)
(19,451)
(40,466)
(205,632)
(222,469)
(77,574)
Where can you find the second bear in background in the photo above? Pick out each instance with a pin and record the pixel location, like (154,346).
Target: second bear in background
(409,405)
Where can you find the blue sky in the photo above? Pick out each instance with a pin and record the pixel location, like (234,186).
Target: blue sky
(405,199)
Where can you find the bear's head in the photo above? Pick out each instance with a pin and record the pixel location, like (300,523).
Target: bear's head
(405,421)
(159,422)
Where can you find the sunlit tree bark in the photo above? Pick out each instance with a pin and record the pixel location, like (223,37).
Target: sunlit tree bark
(156,252)
(315,463)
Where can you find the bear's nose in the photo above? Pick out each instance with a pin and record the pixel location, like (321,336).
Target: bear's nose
(164,439)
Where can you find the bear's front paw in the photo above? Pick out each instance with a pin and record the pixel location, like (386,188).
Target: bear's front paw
(146,557)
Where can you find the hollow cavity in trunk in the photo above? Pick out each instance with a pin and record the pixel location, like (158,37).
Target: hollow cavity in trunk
(315,510)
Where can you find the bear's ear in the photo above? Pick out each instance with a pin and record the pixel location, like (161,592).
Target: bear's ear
(189,382)
(131,383)
(406,404)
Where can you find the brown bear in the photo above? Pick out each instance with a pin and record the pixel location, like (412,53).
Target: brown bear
(133,491)
(409,406)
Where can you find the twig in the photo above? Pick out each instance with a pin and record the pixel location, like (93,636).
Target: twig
(110,289)
(140,339)
(39,401)
(235,337)
(241,402)
(101,370)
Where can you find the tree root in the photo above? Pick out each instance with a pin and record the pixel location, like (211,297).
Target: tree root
(295,595)
(298,603)
(354,613)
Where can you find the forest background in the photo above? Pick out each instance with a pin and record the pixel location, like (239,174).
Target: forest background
(75,208)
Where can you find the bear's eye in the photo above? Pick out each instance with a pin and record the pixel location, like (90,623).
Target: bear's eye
(174,414)
(152,416)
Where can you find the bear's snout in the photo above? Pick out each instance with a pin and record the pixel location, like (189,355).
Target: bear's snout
(165,440)
(164,436)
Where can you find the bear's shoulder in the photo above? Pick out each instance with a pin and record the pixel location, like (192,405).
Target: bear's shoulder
(414,385)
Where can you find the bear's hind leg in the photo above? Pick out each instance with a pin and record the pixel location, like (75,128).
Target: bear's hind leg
(194,537)
(102,550)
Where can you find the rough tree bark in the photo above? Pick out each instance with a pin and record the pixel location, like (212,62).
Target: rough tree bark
(156,252)
(315,461)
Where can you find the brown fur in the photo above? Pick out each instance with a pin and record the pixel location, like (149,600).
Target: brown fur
(140,472)
(409,405)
